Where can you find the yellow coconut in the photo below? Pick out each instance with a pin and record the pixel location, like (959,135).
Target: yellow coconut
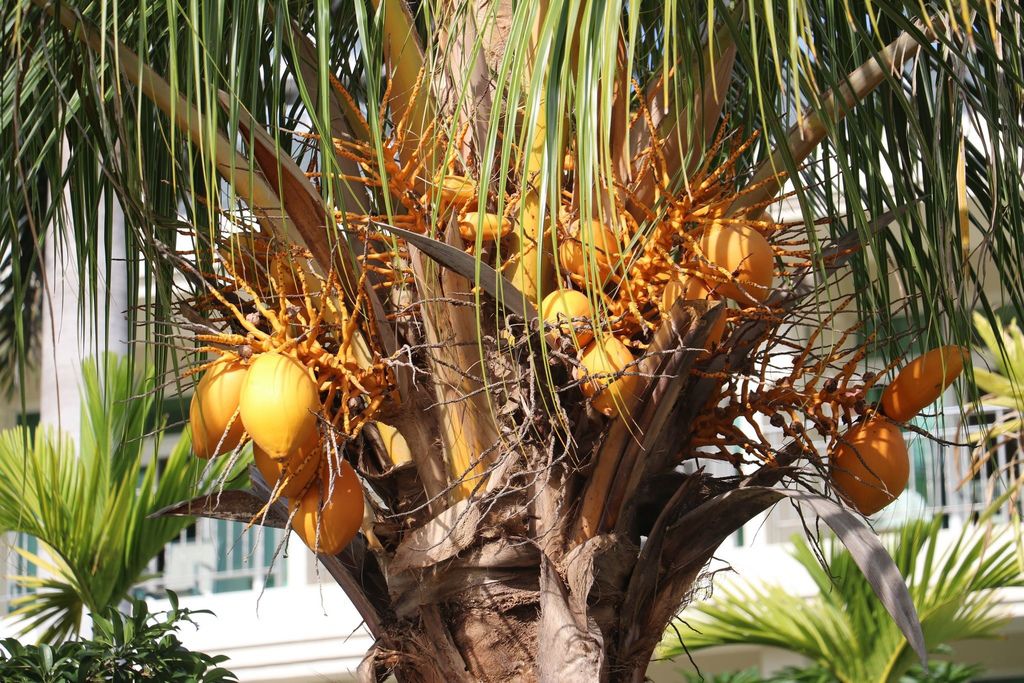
(670,293)
(457,190)
(216,426)
(922,381)
(279,404)
(687,288)
(746,255)
(589,246)
(870,467)
(395,443)
(490,227)
(328,517)
(717,331)
(600,362)
(299,468)
(562,307)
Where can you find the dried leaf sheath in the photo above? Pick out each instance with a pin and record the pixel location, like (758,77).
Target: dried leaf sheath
(467,428)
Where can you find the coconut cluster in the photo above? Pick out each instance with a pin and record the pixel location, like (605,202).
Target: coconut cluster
(729,263)
(618,274)
(612,297)
(291,377)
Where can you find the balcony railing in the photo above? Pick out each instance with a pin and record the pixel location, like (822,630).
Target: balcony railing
(218,556)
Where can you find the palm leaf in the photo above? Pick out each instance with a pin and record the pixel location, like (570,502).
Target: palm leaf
(90,508)
(844,627)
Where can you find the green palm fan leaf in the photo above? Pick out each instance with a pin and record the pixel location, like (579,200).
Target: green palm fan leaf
(1004,386)
(843,628)
(89,507)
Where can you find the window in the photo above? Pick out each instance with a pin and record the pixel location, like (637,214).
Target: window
(17,565)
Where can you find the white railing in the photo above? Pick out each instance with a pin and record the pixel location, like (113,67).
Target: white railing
(217,556)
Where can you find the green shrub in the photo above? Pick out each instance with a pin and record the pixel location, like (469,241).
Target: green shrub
(141,646)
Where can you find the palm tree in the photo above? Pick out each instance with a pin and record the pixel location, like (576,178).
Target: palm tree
(389,192)
(90,509)
(844,630)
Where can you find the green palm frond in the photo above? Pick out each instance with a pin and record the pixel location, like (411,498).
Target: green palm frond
(1004,388)
(21,257)
(1005,345)
(899,149)
(54,601)
(844,628)
(89,507)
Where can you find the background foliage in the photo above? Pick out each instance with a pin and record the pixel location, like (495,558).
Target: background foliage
(938,672)
(89,508)
(844,629)
(138,646)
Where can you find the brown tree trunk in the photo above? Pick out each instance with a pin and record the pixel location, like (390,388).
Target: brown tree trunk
(509,614)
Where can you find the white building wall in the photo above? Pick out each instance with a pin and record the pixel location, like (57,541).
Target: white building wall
(298,633)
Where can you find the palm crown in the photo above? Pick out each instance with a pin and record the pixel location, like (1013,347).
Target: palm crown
(364,209)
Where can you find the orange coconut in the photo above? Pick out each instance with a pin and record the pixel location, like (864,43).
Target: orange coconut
(489,226)
(279,404)
(335,511)
(922,381)
(744,253)
(562,307)
(590,246)
(870,466)
(456,190)
(600,361)
(299,468)
(216,425)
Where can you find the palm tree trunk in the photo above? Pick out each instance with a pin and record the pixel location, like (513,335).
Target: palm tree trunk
(500,632)
(506,612)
